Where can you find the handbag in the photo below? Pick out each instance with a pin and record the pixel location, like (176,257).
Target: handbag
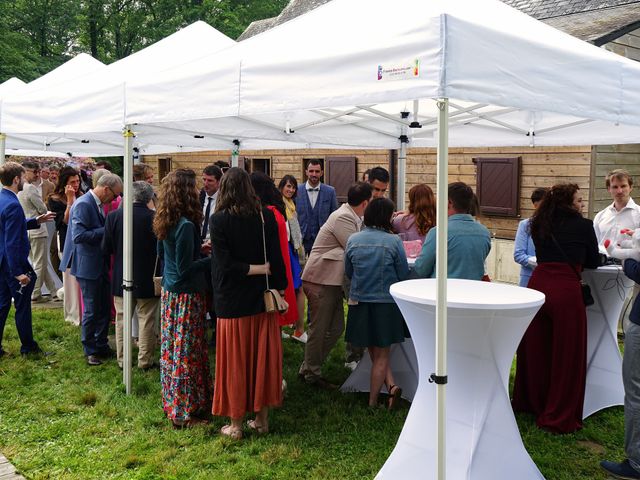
(273,301)
(157,280)
(587,297)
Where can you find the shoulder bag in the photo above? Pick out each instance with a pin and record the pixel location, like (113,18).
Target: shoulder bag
(273,301)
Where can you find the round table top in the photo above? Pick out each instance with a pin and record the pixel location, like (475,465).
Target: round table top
(468,294)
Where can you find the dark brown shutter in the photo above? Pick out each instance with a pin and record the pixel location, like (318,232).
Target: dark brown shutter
(498,185)
(164,167)
(340,173)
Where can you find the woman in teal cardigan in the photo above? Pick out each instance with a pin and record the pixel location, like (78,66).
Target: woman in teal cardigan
(184,363)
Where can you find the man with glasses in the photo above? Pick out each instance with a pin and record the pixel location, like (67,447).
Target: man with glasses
(16,274)
(83,254)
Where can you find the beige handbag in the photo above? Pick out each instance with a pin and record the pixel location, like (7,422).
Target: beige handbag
(157,280)
(273,301)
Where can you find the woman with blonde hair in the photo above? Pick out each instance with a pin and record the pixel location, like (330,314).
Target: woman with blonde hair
(184,361)
(421,215)
(246,259)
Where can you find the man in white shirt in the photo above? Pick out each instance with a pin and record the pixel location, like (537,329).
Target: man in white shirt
(622,213)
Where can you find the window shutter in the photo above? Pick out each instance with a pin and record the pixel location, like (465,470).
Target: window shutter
(340,173)
(498,185)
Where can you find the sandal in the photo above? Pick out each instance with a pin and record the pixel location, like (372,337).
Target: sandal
(395,394)
(178,425)
(259,429)
(232,433)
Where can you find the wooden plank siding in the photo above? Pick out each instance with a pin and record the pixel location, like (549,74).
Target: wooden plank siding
(607,158)
(541,167)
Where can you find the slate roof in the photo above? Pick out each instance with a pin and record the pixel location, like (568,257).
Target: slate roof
(596,21)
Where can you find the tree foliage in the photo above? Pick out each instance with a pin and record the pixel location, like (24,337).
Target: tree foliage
(39,35)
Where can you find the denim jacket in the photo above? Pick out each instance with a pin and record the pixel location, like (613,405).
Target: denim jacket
(374,260)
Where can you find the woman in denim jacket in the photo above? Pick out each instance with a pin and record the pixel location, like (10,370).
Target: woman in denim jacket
(375,259)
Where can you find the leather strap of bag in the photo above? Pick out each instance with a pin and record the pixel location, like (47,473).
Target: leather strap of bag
(566,258)
(264,246)
(155,268)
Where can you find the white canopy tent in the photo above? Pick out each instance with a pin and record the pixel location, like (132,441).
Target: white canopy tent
(468,72)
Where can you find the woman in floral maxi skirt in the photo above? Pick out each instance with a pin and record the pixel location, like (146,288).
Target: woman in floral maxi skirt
(184,362)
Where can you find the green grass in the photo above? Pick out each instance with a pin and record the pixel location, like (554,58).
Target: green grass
(61,419)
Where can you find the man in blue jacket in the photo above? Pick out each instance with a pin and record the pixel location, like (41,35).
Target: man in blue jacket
(83,254)
(629,468)
(315,201)
(468,243)
(16,275)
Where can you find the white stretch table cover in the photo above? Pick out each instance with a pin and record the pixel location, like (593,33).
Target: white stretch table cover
(486,322)
(609,287)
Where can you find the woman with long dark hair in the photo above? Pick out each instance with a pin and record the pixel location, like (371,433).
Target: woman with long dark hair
(184,361)
(288,186)
(66,192)
(374,260)
(245,258)
(552,356)
(421,214)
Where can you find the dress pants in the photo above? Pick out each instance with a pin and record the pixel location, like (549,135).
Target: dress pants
(96,297)
(10,288)
(72,298)
(147,313)
(631,380)
(326,323)
(39,256)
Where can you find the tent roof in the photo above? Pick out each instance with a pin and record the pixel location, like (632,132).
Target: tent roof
(13,85)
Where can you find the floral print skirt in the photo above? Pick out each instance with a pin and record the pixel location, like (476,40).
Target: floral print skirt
(184,360)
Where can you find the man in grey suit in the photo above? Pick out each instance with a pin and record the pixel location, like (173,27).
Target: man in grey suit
(83,254)
(323,280)
(31,201)
(315,201)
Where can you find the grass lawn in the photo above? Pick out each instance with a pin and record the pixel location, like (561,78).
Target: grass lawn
(61,419)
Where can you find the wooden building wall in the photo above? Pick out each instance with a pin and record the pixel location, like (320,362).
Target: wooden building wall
(541,166)
(607,158)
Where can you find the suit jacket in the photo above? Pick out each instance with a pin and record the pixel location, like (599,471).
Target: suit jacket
(82,248)
(325,204)
(144,249)
(203,197)
(14,244)
(32,204)
(325,265)
(47,189)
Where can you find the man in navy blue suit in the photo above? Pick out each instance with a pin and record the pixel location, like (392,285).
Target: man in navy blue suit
(314,203)
(16,275)
(83,254)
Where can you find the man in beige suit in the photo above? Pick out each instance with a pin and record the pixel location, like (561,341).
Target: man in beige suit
(31,201)
(323,280)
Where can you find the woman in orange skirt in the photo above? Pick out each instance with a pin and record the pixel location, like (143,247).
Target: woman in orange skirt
(246,259)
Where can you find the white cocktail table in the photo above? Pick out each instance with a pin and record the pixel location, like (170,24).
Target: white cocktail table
(609,287)
(485,324)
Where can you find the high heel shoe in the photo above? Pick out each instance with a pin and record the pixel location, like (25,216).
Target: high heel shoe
(395,394)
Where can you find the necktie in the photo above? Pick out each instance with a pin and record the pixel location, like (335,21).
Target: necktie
(205,224)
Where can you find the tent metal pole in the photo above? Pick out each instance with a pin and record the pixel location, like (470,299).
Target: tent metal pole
(127,257)
(440,377)
(402,162)
(3,146)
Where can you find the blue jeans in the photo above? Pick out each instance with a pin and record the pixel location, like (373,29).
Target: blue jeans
(631,380)
(10,288)
(96,315)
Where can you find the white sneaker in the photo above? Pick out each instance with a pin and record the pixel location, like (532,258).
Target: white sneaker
(351,365)
(302,338)
(284,334)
